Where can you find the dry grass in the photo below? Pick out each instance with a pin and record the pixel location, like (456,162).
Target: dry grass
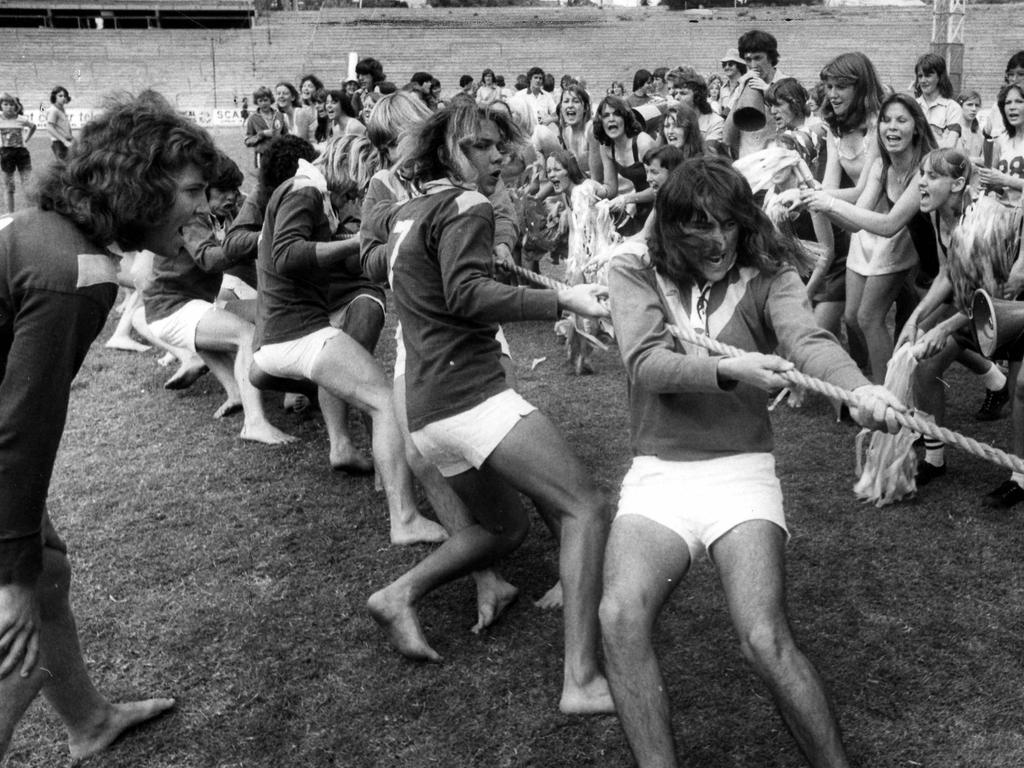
(233,577)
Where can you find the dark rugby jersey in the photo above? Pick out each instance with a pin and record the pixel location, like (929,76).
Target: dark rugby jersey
(56,289)
(449,305)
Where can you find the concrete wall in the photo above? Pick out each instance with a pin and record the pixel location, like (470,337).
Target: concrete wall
(204,70)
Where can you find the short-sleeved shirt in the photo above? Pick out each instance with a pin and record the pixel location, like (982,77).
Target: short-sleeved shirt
(58,122)
(946,119)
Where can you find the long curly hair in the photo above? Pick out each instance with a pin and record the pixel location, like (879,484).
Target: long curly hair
(120,177)
(633,126)
(698,193)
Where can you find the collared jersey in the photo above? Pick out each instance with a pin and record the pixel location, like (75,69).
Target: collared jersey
(448,302)
(678,409)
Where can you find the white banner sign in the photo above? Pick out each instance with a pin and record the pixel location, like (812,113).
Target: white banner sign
(205,116)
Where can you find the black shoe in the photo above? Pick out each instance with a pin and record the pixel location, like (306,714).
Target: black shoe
(1005,496)
(995,399)
(927,472)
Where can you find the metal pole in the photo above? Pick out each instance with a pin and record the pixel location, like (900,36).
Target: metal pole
(213,60)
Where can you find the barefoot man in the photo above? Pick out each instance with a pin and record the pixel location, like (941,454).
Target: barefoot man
(702,482)
(136,175)
(464,418)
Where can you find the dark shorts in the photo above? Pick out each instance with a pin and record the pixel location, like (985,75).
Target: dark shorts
(60,149)
(15,159)
(833,288)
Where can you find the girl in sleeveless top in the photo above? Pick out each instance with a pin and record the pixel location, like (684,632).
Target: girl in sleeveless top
(878,265)
(619,165)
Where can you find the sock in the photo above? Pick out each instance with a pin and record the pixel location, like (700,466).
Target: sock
(1018,478)
(993,379)
(934,452)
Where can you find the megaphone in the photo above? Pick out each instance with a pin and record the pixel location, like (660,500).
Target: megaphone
(750,113)
(995,322)
(651,116)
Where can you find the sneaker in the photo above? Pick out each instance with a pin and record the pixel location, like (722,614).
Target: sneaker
(995,399)
(927,472)
(1005,496)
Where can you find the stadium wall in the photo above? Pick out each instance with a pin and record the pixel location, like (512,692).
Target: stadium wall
(208,72)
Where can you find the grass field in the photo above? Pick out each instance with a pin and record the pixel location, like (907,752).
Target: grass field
(233,576)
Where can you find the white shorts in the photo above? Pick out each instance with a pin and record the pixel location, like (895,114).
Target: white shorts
(400,349)
(465,440)
(179,329)
(700,501)
(237,286)
(294,359)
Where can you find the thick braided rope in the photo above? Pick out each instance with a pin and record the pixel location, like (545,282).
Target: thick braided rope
(550,282)
(909,420)
(536,277)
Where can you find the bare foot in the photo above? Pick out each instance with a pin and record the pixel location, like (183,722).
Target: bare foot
(418,530)
(594,698)
(399,620)
(265,432)
(186,375)
(119,718)
(229,408)
(127,343)
(493,596)
(552,599)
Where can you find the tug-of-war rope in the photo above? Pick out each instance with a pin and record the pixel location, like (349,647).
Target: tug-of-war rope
(912,421)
